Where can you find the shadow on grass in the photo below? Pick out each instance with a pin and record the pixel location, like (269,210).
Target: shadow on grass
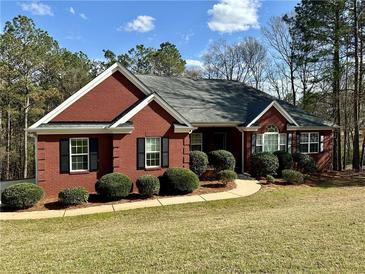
(339,180)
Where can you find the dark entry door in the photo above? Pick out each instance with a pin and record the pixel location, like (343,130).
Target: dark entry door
(220,140)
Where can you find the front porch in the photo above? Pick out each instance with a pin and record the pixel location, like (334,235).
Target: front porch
(208,139)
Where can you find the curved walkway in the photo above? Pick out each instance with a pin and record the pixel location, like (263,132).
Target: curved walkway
(244,188)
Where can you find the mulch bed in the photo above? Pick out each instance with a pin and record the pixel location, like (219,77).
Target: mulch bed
(94,200)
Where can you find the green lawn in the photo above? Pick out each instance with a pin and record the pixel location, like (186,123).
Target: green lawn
(280,229)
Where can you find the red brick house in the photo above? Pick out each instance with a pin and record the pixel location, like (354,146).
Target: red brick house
(142,124)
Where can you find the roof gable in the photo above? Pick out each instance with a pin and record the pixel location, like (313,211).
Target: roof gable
(143,103)
(90,86)
(279,108)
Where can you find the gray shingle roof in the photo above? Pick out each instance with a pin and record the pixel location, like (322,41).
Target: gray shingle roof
(219,101)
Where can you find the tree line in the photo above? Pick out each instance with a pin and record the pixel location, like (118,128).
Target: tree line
(312,57)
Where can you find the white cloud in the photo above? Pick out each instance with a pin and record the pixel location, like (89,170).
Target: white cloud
(83,16)
(142,23)
(194,63)
(234,15)
(37,8)
(72,10)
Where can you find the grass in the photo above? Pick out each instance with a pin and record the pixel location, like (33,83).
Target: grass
(280,229)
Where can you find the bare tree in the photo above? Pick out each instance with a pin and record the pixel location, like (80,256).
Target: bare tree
(244,61)
(278,36)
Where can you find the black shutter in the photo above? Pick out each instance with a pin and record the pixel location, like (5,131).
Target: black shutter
(64,155)
(298,142)
(93,153)
(165,152)
(140,153)
(253,143)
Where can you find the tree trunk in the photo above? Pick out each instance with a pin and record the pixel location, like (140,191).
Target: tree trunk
(356,143)
(8,131)
(292,80)
(26,110)
(336,92)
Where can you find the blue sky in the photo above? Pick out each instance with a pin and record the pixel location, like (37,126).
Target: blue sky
(91,26)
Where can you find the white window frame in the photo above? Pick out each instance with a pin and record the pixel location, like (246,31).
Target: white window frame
(309,142)
(79,154)
(196,144)
(262,136)
(145,152)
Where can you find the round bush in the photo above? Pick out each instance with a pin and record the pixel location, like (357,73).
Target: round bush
(180,180)
(285,160)
(148,185)
(73,196)
(113,186)
(226,176)
(305,162)
(263,164)
(198,162)
(222,160)
(270,179)
(292,176)
(22,195)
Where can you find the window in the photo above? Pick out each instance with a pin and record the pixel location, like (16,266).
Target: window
(196,141)
(79,154)
(153,148)
(309,142)
(271,140)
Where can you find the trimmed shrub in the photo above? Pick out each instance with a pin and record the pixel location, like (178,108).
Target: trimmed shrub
(270,179)
(148,185)
(180,180)
(226,176)
(285,161)
(113,186)
(304,162)
(198,162)
(73,196)
(293,176)
(263,164)
(20,196)
(222,160)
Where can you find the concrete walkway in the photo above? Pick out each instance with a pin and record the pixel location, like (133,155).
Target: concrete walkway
(244,188)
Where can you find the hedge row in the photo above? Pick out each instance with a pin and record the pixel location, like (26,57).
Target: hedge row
(266,163)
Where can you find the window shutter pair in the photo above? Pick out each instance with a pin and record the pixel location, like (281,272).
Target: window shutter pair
(65,155)
(141,153)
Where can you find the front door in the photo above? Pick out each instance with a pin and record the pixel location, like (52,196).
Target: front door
(220,140)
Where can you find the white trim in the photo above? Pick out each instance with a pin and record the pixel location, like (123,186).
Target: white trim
(279,140)
(145,152)
(294,128)
(308,143)
(252,129)
(70,152)
(96,81)
(53,131)
(183,129)
(144,103)
(279,108)
(216,124)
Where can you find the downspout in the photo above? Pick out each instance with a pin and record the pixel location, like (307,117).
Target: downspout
(36,157)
